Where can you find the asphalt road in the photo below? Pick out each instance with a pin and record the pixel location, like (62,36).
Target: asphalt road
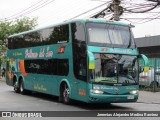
(11,101)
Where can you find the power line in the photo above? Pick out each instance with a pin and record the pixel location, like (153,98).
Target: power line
(142,11)
(74,12)
(38,7)
(24,9)
(89,10)
(150,19)
(102,13)
(139,18)
(33,9)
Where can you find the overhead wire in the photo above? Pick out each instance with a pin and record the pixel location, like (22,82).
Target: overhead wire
(130,7)
(32,10)
(78,8)
(38,7)
(88,11)
(25,9)
(141,7)
(101,13)
(142,11)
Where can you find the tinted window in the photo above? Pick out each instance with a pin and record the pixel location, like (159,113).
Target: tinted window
(59,34)
(79,51)
(62,67)
(36,66)
(50,67)
(109,35)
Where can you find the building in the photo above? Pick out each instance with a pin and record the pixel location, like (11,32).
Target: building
(150,46)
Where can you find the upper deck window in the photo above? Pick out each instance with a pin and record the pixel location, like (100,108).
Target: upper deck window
(109,34)
(48,36)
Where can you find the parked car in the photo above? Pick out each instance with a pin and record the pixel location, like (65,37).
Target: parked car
(147,78)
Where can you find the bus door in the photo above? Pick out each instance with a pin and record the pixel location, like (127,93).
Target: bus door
(79,88)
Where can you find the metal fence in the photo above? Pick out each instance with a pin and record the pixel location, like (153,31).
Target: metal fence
(150,80)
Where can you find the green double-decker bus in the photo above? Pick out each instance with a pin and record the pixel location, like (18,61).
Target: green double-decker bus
(90,60)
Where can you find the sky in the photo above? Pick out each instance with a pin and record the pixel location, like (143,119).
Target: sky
(56,11)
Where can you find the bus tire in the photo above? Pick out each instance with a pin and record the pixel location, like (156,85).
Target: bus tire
(21,87)
(16,88)
(65,94)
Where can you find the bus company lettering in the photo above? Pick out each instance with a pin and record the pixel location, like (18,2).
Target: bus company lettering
(30,54)
(41,54)
(49,53)
(121,51)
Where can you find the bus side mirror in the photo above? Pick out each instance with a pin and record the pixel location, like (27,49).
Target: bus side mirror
(91,60)
(146,63)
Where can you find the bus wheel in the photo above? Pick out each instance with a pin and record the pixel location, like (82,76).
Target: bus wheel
(16,88)
(66,93)
(21,87)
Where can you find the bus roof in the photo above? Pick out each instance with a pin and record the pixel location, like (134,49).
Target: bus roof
(74,20)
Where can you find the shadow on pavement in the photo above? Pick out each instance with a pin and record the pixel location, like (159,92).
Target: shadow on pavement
(82,105)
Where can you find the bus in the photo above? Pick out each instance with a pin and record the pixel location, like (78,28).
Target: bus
(89,60)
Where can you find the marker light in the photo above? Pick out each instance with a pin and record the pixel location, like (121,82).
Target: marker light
(109,20)
(134,92)
(61,49)
(96,91)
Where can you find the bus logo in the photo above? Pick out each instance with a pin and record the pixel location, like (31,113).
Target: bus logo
(103,49)
(117,91)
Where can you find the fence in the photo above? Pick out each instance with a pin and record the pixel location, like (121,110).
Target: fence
(150,80)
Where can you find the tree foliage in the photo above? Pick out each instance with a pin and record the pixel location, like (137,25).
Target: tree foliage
(8,28)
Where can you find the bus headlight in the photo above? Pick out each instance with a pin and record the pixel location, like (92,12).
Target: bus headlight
(134,92)
(96,91)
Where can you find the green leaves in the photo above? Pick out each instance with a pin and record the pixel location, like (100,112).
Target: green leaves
(8,28)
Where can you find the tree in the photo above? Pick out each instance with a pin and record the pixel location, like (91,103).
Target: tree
(24,24)
(8,28)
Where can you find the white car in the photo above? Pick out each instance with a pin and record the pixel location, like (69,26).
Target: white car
(147,78)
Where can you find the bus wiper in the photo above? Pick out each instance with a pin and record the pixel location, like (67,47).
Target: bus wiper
(127,76)
(131,78)
(129,40)
(109,81)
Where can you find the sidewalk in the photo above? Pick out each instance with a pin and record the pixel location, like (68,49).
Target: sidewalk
(149,97)
(3,79)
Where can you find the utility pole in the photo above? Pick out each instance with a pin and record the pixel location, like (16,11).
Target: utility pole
(116,4)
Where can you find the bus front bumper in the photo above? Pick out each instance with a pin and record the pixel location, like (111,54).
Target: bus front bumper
(103,98)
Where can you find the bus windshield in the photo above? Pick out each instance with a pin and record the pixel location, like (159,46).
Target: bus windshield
(111,69)
(110,35)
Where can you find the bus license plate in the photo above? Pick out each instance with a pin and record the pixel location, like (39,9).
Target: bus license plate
(130,97)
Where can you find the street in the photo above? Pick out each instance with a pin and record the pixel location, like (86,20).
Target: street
(11,101)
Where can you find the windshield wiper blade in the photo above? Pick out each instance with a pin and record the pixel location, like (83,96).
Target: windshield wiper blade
(130,40)
(127,76)
(108,81)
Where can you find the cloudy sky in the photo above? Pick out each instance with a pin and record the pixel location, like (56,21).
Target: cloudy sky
(55,11)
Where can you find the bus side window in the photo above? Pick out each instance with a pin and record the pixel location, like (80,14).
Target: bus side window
(79,51)
(62,67)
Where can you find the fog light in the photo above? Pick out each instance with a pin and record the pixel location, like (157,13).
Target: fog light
(96,91)
(134,92)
